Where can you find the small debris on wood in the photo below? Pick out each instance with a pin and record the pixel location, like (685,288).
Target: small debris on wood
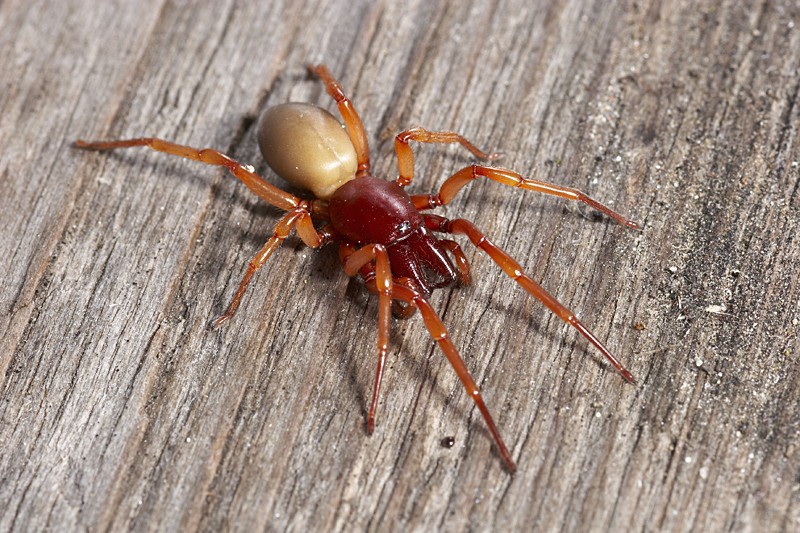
(447,442)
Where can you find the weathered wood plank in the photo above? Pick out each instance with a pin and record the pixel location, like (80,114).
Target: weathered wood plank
(121,408)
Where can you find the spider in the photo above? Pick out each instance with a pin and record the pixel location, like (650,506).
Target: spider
(383,233)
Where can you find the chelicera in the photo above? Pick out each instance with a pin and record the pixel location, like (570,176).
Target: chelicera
(384,234)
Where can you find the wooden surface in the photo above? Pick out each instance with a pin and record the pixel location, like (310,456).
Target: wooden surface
(121,409)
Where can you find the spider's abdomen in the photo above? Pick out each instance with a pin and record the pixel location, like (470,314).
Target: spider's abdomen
(370,210)
(308,147)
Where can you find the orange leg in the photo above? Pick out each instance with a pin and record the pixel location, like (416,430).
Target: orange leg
(457,181)
(405,156)
(464,276)
(514,270)
(380,281)
(299,219)
(439,334)
(269,193)
(402,289)
(355,129)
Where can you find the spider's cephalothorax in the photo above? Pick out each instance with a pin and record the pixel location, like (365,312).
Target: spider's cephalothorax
(372,210)
(384,234)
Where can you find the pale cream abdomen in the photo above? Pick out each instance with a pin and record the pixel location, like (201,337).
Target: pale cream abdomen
(308,147)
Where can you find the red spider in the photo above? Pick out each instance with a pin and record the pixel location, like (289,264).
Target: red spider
(382,231)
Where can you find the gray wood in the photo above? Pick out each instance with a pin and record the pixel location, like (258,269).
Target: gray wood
(122,410)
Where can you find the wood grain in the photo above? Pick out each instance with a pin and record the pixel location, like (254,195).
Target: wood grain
(121,409)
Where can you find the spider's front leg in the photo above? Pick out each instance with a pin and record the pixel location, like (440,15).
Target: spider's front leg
(513,269)
(438,332)
(457,181)
(373,263)
(379,280)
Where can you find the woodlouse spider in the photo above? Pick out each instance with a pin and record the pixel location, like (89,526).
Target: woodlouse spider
(384,234)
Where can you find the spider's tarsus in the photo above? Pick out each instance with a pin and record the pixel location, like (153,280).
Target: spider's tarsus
(219,321)
(633,225)
(91,145)
(627,376)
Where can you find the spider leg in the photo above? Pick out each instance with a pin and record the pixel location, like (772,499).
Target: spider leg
(461,226)
(405,156)
(457,181)
(355,129)
(267,192)
(379,280)
(439,333)
(464,276)
(299,219)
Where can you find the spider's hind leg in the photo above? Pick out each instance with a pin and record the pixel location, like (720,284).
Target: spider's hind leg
(266,191)
(355,128)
